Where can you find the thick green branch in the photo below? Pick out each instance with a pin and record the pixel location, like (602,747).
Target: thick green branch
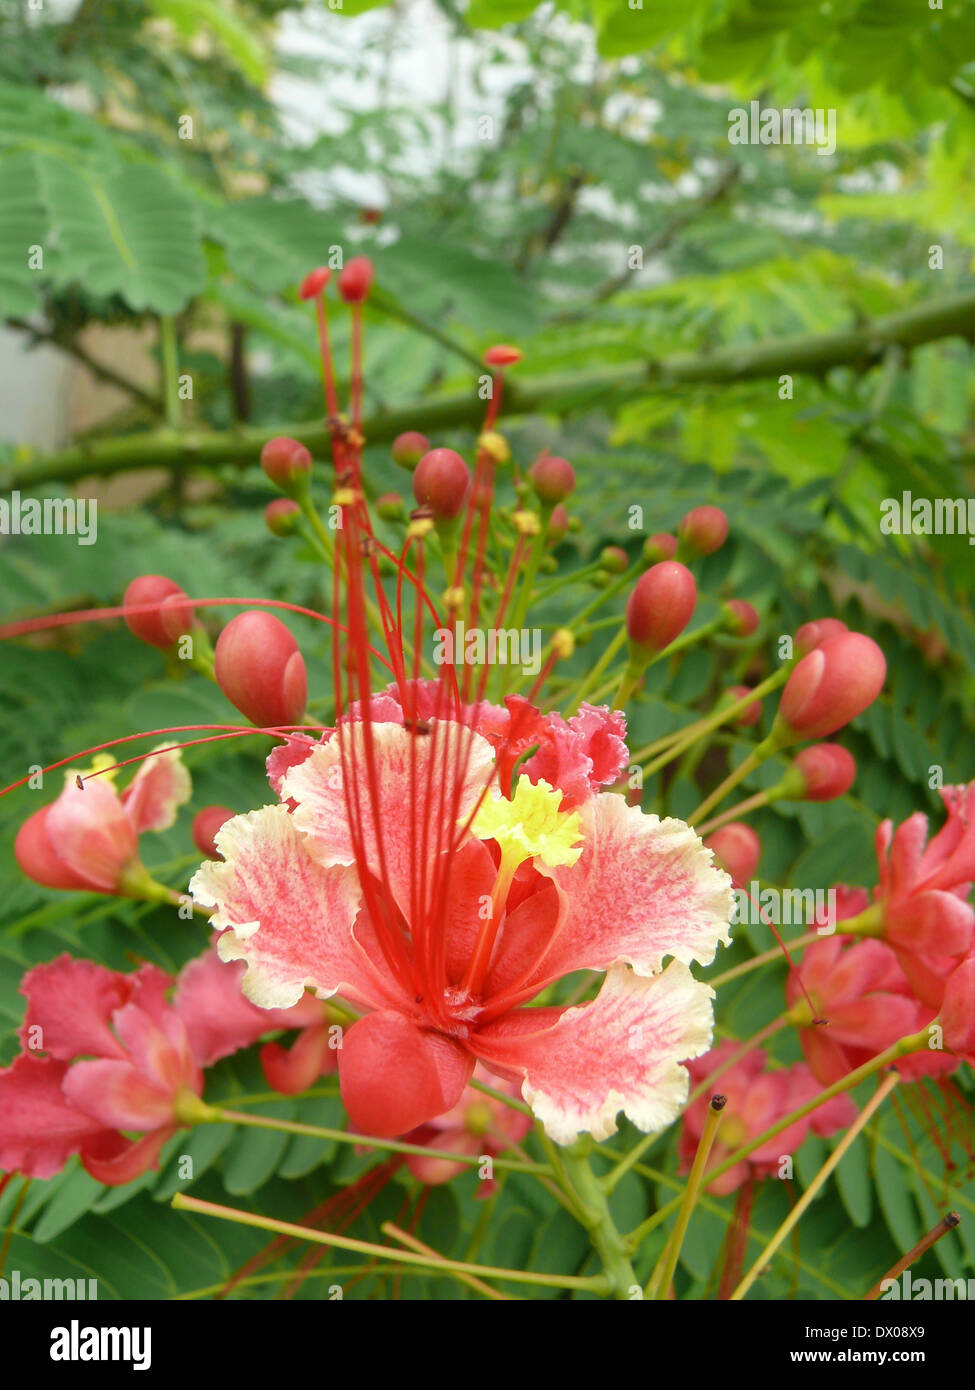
(861,347)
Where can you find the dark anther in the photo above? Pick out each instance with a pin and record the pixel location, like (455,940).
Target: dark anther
(79,782)
(718,1102)
(418,999)
(820,1022)
(369,545)
(416,726)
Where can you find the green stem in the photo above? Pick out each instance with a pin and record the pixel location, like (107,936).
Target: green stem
(662,1279)
(595,1215)
(169,350)
(182,1202)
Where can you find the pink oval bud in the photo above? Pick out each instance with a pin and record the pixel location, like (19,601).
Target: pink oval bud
(827,770)
(260,669)
(737,850)
(441,482)
(205,825)
(832,685)
(751,713)
(281,516)
(558,525)
(409,448)
(704,530)
(502,355)
(741,617)
(811,634)
(660,606)
(162,628)
(314,282)
(285,461)
(615,559)
(355,281)
(661,546)
(552,478)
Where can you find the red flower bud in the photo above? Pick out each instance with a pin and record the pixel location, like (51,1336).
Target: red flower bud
(355,281)
(286,462)
(704,530)
(741,617)
(660,606)
(409,448)
(502,356)
(260,669)
(662,546)
(614,558)
(827,770)
(751,713)
(441,482)
(205,825)
(737,850)
(811,634)
(832,685)
(558,525)
(162,628)
(281,515)
(314,282)
(552,478)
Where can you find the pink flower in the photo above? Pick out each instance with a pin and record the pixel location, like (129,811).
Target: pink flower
(478,1124)
(405,882)
(757,1098)
(861,1002)
(922,892)
(107,1056)
(89,837)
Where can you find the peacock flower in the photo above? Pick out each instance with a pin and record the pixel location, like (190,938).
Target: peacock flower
(921,897)
(757,1097)
(107,1057)
(397,874)
(89,837)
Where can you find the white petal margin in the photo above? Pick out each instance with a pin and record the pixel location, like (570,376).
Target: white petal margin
(643,889)
(414,807)
(286,916)
(622,1052)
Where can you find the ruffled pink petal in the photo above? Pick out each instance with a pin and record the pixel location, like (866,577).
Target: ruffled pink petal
(396,1075)
(642,889)
(295,749)
(90,831)
(581,755)
(157,790)
(112,1159)
(72,1001)
(621,1052)
(424,786)
(286,916)
(958,1010)
(219,1020)
(40,1128)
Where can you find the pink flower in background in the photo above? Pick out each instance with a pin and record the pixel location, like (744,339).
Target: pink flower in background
(478,1124)
(757,1098)
(923,890)
(89,837)
(403,881)
(863,1004)
(106,1055)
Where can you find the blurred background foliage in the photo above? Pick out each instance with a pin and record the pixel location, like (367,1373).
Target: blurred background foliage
(501,206)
